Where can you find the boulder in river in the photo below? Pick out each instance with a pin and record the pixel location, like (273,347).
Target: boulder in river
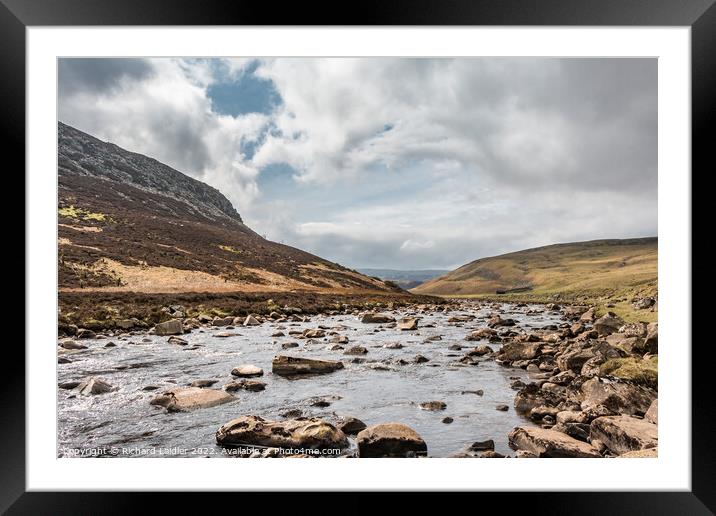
(93,385)
(356,350)
(408,323)
(390,440)
(246,385)
(177,340)
(247,371)
(376,318)
(350,425)
(482,333)
(71,344)
(549,443)
(189,398)
(292,433)
(433,405)
(171,327)
(514,351)
(283,365)
(314,334)
(222,321)
(622,434)
(202,383)
(251,321)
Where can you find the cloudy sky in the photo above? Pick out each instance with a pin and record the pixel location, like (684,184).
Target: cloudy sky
(394,163)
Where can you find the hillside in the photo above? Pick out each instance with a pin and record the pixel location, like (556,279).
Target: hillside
(406,279)
(127,223)
(608,269)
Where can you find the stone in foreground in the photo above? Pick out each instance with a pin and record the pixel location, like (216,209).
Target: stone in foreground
(623,434)
(254,430)
(549,443)
(283,365)
(190,398)
(390,440)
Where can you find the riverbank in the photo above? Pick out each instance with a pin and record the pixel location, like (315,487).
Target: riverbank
(98,311)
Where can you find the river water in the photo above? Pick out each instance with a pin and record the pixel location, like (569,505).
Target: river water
(123,422)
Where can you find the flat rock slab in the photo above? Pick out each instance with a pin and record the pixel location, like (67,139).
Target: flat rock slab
(190,398)
(390,440)
(283,365)
(623,434)
(293,433)
(550,443)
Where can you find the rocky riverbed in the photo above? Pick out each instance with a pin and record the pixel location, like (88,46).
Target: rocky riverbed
(467,379)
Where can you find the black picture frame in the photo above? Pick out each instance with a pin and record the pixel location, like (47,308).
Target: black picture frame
(700,15)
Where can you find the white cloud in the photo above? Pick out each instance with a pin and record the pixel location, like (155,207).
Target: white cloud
(401,162)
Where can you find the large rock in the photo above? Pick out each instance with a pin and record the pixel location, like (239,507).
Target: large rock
(350,425)
(247,385)
(549,443)
(588,316)
(532,396)
(247,371)
(574,312)
(619,398)
(652,415)
(376,318)
(190,398)
(390,440)
(71,344)
(316,333)
(251,321)
(222,321)
(408,323)
(94,385)
(293,433)
(482,333)
(283,365)
(514,351)
(171,327)
(574,358)
(651,341)
(622,434)
(608,324)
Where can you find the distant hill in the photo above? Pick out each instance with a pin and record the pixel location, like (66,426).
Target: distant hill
(406,279)
(128,223)
(594,268)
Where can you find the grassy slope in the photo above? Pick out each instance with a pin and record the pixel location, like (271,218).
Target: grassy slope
(598,272)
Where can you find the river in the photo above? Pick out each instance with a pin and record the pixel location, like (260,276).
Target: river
(124,421)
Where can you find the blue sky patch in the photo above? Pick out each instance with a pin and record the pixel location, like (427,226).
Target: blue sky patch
(244,94)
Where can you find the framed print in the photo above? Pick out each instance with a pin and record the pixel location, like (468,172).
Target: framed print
(412,238)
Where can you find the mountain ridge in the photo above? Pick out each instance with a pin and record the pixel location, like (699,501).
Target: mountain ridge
(127,222)
(609,268)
